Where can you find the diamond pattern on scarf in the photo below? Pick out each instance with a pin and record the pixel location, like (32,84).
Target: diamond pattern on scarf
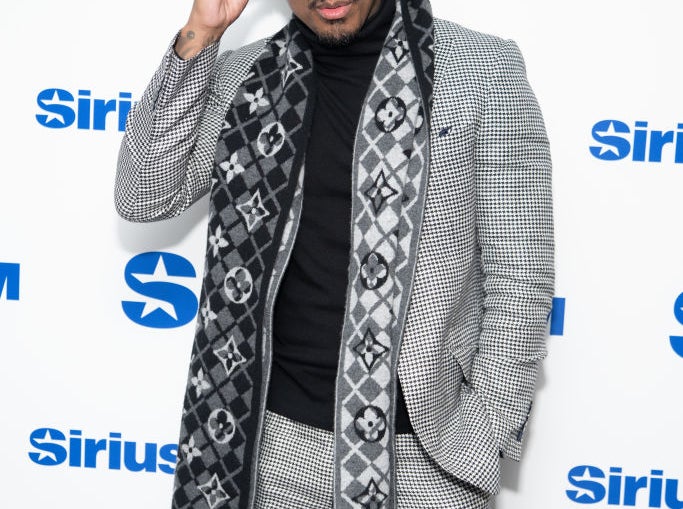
(255,175)
(386,216)
(261,150)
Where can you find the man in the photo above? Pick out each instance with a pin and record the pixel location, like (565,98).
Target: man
(379,264)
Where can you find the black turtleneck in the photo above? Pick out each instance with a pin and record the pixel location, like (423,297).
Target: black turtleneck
(309,309)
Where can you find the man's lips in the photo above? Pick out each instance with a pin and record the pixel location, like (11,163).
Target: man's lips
(334,11)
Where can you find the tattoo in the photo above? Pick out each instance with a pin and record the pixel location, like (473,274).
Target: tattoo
(181,46)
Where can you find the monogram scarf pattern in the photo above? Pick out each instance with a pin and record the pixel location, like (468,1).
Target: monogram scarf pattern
(392,157)
(257,179)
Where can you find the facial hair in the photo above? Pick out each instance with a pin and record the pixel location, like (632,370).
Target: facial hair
(335,38)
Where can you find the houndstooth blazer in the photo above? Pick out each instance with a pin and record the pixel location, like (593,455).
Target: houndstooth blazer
(476,324)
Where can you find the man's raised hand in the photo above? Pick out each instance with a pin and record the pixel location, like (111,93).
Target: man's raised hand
(206,24)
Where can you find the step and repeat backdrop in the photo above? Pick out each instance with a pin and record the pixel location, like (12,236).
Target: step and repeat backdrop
(97,314)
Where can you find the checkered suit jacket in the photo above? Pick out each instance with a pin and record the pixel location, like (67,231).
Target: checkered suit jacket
(476,324)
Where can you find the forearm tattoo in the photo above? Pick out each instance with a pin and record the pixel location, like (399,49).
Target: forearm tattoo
(185,45)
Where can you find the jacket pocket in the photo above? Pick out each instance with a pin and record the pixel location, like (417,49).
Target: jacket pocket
(466,447)
(464,356)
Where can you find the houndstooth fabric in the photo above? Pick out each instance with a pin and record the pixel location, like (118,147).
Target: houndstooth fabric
(172,163)
(295,472)
(483,282)
(476,326)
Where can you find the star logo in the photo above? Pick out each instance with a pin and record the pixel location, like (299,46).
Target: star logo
(161,281)
(372,497)
(53,119)
(10,279)
(610,131)
(230,356)
(613,145)
(253,210)
(42,439)
(213,492)
(582,495)
(292,68)
(160,274)
(677,344)
(370,350)
(380,191)
(399,49)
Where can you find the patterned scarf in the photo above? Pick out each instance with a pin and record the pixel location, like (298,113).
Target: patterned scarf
(255,203)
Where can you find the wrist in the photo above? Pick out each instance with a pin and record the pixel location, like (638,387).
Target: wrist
(194,38)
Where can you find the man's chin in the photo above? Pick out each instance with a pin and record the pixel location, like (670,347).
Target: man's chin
(337,38)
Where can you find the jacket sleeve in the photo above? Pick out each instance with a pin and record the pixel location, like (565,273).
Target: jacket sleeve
(167,150)
(515,232)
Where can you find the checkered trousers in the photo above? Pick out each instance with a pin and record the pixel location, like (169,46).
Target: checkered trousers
(296,472)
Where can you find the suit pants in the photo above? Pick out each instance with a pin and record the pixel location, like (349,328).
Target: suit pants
(296,472)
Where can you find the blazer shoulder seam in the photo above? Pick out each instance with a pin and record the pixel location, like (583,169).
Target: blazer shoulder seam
(448,33)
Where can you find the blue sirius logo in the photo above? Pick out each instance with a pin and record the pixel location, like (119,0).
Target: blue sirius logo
(592,485)
(677,341)
(160,278)
(557,317)
(617,140)
(61,108)
(9,280)
(52,447)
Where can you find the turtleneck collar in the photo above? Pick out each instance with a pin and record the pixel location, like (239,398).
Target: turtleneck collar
(368,42)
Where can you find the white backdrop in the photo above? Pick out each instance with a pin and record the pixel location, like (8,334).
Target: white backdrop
(78,375)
